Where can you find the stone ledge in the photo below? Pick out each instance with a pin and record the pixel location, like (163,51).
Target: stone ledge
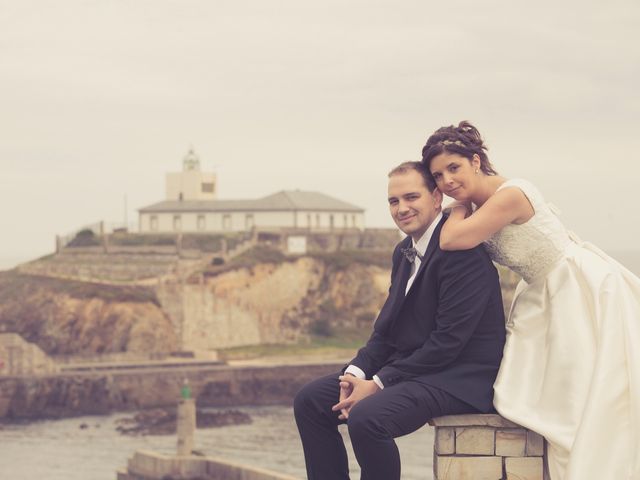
(475,441)
(473,420)
(511,443)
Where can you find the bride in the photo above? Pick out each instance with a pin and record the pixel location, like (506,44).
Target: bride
(571,366)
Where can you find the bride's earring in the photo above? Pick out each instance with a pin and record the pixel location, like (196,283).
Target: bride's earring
(477,170)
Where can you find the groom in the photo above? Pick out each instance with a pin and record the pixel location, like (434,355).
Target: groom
(435,348)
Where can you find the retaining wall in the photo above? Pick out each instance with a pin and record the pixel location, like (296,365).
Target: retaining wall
(88,393)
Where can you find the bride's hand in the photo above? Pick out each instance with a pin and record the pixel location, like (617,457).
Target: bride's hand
(459,206)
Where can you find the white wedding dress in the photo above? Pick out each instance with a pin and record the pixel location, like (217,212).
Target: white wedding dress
(571,366)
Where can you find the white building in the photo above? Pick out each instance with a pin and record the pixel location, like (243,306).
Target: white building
(191,207)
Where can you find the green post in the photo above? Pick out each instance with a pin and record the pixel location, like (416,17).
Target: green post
(185,391)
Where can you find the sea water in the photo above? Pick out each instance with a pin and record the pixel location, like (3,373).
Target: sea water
(90,447)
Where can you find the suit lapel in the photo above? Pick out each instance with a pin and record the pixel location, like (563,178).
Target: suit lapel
(401,277)
(434,244)
(403,273)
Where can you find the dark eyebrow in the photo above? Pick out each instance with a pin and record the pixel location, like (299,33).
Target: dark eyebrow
(446,166)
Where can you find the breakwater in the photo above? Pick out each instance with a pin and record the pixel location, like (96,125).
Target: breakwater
(69,394)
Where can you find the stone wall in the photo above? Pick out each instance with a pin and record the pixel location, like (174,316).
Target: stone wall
(103,359)
(486,447)
(96,266)
(372,238)
(247,306)
(18,357)
(170,293)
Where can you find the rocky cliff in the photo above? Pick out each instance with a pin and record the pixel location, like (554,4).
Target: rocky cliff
(68,317)
(260,297)
(277,301)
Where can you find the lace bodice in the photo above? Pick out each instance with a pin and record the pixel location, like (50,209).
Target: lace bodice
(532,248)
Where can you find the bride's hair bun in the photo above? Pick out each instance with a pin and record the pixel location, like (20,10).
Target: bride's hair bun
(470,132)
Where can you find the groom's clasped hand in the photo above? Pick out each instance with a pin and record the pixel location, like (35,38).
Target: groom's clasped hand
(352,390)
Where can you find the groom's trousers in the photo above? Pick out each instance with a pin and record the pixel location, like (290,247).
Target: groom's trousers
(373,424)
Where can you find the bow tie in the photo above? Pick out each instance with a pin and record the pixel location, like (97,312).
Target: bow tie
(411,253)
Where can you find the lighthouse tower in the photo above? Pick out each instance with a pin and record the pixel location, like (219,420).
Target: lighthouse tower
(191,183)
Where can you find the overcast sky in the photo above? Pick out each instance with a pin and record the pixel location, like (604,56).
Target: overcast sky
(99,99)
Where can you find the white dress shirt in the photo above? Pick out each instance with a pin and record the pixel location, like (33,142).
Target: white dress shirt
(421,246)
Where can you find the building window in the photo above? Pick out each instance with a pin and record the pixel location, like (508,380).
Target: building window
(153,223)
(177,222)
(201,224)
(248,221)
(345,221)
(353,221)
(309,221)
(331,222)
(226,222)
(207,187)
(317,220)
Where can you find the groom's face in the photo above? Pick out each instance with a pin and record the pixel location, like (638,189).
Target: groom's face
(412,206)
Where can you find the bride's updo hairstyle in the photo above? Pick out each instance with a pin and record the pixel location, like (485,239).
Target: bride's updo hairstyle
(465,140)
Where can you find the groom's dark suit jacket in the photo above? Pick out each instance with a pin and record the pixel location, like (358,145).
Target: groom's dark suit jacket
(448,331)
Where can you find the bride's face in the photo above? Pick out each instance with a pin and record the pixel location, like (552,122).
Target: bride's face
(455,175)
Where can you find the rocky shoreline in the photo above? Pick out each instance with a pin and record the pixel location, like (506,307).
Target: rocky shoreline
(163,421)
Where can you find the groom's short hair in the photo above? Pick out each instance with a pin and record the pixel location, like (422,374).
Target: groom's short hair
(419,167)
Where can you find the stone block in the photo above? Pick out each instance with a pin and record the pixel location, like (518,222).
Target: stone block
(144,463)
(190,467)
(535,444)
(475,441)
(164,466)
(525,468)
(468,468)
(511,443)
(445,441)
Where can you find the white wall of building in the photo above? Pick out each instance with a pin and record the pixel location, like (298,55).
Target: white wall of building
(244,221)
(327,220)
(193,184)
